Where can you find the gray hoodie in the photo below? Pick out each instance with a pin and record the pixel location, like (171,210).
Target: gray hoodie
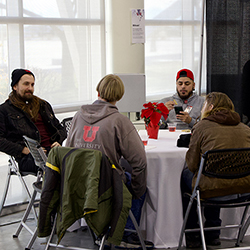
(194,101)
(100,126)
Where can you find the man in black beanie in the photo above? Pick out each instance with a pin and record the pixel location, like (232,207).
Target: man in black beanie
(26,114)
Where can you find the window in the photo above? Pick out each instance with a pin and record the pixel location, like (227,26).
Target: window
(61,41)
(173,36)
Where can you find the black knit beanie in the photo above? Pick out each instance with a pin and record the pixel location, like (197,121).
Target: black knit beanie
(17,74)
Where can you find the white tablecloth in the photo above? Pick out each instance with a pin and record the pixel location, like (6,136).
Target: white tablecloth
(162,212)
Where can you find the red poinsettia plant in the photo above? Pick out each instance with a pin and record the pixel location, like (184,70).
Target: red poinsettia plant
(153,111)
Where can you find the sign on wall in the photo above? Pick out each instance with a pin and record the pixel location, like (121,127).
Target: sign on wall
(138,25)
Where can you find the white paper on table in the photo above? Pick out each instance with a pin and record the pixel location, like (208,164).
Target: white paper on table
(149,147)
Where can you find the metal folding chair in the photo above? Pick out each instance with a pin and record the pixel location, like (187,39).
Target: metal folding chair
(13,170)
(40,160)
(107,230)
(66,122)
(101,247)
(36,151)
(224,164)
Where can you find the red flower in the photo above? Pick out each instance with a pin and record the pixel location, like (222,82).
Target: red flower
(153,112)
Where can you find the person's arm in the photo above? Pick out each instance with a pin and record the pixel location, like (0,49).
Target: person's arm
(6,146)
(60,135)
(133,151)
(168,102)
(184,116)
(169,105)
(196,111)
(192,122)
(193,155)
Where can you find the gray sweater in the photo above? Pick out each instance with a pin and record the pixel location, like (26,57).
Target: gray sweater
(100,126)
(195,101)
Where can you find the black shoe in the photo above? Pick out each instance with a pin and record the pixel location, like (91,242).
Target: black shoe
(193,240)
(132,241)
(213,242)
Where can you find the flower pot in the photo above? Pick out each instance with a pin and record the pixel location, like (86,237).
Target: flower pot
(152,130)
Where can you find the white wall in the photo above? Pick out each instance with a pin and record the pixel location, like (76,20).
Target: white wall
(123,56)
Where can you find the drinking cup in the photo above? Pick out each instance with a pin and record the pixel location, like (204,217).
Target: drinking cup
(144,138)
(171,127)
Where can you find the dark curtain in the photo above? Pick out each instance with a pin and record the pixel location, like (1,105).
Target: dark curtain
(228,51)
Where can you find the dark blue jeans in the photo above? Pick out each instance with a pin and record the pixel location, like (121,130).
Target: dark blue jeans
(212,215)
(27,164)
(135,208)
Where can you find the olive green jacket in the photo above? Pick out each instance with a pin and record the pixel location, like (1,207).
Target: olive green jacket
(83,183)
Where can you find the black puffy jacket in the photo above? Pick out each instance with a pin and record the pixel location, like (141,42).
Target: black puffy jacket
(14,123)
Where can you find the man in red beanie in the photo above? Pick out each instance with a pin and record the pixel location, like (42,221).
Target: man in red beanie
(185,98)
(26,114)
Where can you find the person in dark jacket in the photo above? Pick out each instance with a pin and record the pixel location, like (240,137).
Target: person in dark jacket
(26,114)
(219,128)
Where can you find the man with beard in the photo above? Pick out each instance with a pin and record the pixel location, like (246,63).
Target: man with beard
(185,97)
(26,114)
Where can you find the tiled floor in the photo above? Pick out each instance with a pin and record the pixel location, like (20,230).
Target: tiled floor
(79,238)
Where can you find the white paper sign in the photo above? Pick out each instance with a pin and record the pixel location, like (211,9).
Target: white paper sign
(138,26)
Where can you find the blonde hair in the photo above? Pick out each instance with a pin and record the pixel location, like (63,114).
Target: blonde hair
(110,88)
(220,101)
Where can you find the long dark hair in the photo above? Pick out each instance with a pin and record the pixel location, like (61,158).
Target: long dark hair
(31,107)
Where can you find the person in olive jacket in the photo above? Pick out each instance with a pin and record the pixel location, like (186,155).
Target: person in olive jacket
(26,114)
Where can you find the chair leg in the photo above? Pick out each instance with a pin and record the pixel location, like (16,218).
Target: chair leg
(200,221)
(103,242)
(28,193)
(27,212)
(244,227)
(13,165)
(50,244)
(137,230)
(5,189)
(185,222)
(51,235)
(13,170)
(32,240)
(25,216)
